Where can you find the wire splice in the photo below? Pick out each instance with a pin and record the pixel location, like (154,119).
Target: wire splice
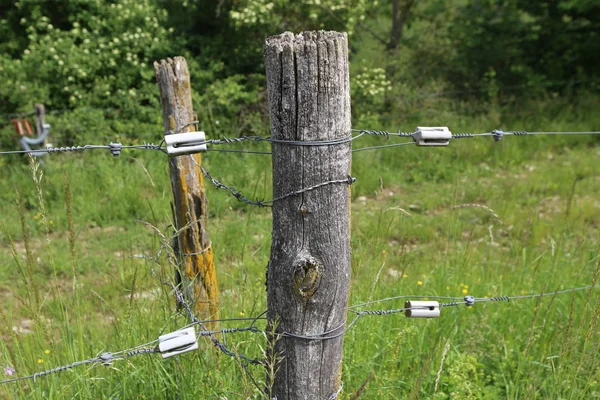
(115,148)
(498,134)
(106,358)
(469,301)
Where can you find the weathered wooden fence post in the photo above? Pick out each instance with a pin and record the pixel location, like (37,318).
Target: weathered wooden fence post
(308,275)
(187,182)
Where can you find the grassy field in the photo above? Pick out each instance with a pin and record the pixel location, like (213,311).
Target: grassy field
(527,222)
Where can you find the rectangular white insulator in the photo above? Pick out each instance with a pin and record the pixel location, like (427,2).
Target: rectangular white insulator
(432,136)
(185,143)
(422,309)
(178,342)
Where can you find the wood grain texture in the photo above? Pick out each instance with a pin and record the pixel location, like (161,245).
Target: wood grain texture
(187,182)
(308,275)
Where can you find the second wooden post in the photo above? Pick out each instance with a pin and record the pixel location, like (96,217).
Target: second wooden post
(308,275)
(196,259)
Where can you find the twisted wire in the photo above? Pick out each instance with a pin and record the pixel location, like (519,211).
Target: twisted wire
(233,191)
(462,135)
(383,133)
(267,203)
(323,335)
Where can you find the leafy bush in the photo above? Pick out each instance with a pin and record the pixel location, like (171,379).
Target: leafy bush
(84,54)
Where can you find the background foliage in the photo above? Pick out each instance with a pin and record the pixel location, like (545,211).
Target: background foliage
(77,54)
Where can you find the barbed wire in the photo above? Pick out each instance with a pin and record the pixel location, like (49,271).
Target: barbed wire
(498,134)
(107,358)
(467,300)
(115,148)
(267,203)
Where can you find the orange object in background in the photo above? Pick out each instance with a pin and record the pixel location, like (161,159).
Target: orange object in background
(22,126)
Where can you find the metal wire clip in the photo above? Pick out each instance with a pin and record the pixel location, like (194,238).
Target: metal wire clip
(185,143)
(178,342)
(422,309)
(432,136)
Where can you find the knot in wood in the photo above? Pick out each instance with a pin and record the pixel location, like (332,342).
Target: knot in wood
(307,276)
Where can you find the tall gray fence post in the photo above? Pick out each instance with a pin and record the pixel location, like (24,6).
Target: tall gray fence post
(308,275)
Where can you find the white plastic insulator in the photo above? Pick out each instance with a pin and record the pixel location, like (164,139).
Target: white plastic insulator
(432,136)
(178,342)
(422,309)
(185,143)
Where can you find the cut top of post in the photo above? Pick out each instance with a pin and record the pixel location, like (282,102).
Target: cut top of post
(309,94)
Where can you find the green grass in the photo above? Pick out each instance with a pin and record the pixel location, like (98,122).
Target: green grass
(82,296)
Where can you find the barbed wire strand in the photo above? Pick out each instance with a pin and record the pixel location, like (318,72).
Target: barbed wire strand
(115,148)
(469,301)
(107,358)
